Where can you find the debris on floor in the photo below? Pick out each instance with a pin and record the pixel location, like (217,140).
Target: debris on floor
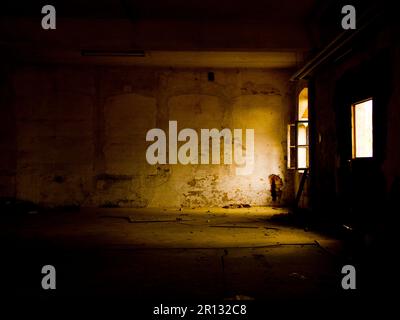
(13,206)
(271,228)
(236,206)
(296,275)
(347,227)
(234,226)
(177,219)
(115,217)
(132,219)
(240,297)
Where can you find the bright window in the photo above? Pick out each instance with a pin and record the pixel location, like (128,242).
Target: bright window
(298,135)
(302,114)
(362,129)
(302,145)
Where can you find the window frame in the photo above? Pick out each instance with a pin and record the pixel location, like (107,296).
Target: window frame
(306,146)
(293,147)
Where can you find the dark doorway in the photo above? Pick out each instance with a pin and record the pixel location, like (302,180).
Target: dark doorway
(361,185)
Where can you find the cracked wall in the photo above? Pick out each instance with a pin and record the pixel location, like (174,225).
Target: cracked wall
(80,135)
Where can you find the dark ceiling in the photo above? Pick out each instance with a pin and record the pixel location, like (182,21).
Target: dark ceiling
(167,9)
(226,33)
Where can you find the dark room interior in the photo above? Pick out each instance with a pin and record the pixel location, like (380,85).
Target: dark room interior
(200,154)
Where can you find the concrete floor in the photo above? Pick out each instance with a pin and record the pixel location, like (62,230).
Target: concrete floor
(170,255)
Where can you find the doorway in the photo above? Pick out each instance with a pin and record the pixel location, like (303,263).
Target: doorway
(361,99)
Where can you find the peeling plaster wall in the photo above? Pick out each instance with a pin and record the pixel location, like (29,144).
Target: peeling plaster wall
(54,112)
(80,135)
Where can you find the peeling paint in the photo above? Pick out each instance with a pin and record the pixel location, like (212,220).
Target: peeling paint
(94,139)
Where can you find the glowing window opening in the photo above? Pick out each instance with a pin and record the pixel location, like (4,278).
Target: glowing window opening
(298,135)
(362,129)
(302,131)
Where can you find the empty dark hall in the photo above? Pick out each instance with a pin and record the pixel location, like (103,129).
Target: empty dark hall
(200,158)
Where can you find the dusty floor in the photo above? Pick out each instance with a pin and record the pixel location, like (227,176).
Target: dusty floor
(170,255)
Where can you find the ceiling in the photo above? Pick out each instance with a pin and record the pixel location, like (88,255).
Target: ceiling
(168,9)
(173,33)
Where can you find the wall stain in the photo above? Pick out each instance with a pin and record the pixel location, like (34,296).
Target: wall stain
(249,88)
(276,184)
